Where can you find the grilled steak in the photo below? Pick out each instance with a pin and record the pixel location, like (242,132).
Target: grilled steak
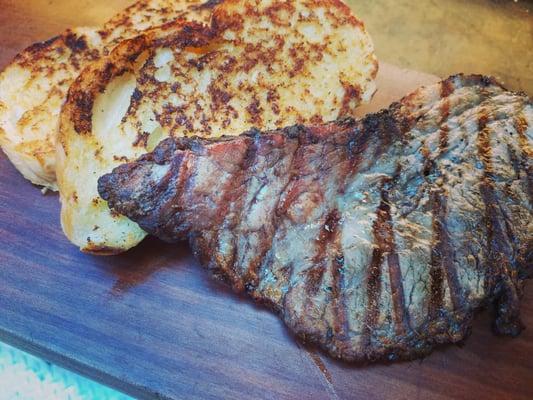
(376,239)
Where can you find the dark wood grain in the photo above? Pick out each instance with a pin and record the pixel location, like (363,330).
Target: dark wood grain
(153,324)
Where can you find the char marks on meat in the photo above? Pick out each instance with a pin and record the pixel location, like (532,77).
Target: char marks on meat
(376,239)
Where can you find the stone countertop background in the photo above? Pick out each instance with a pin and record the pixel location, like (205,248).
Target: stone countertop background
(444,37)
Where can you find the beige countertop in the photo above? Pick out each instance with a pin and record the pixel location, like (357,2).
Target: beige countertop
(493,37)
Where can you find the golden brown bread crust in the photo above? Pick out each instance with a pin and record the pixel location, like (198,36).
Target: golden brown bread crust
(34,86)
(260,63)
(82,93)
(32,89)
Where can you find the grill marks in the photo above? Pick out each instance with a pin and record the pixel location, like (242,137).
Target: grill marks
(179,169)
(442,265)
(339,308)
(436,273)
(253,270)
(521,126)
(338,298)
(501,265)
(487,195)
(297,184)
(400,314)
(384,251)
(383,235)
(323,280)
(442,259)
(373,284)
(286,198)
(312,285)
(447,89)
(327,235)
(231,203)
(238,206)
(436,301)
(307,192)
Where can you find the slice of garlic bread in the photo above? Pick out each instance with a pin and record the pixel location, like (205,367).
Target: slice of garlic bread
(262,63)
(34,86)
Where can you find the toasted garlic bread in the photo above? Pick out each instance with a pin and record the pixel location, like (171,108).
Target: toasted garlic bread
(261,64)
(34,86)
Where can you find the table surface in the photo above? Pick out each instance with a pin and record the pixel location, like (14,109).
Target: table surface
(153,324)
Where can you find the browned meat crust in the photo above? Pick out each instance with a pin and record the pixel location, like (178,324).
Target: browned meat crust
(375,239)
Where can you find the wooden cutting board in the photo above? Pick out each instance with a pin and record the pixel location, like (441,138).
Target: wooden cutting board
(153,324)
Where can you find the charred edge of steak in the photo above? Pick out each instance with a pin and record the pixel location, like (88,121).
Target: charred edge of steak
(120,188)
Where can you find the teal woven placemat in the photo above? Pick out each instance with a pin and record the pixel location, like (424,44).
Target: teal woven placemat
(25,377)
